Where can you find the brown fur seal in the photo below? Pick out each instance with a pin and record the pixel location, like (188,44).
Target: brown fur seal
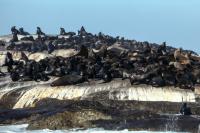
(178,55)
(101,52)
(182,58)
(62,31)
(68,80)
(22,32)
(14,30)
(24,57)
(83,52)
(39,31)
(178,65)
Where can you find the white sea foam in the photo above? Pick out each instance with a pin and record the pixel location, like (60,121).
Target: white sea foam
(22,129)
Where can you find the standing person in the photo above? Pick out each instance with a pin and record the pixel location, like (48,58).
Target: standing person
(185,110)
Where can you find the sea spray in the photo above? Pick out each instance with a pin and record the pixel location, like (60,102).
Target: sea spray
(171,124)
(22,129)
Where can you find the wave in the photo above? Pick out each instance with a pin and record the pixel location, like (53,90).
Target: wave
(22,129)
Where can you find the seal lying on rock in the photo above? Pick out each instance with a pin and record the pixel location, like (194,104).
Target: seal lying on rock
(101,57)
(68,80)
(22,32)
(62,31)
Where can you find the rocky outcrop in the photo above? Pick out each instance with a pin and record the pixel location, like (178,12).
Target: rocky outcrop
(110,115)
(26,94)
(96,115)
(112,105)
(149,93)
(69,120)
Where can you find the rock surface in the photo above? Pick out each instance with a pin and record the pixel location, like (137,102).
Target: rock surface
(115,105)
(107,114)
(26,94)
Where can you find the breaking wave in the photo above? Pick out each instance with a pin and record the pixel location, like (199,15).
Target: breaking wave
(22,129)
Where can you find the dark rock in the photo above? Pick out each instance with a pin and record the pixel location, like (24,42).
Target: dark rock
(111,115)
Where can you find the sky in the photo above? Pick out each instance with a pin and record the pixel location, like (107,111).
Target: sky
(175,21)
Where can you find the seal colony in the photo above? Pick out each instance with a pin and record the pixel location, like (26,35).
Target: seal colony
(100,57)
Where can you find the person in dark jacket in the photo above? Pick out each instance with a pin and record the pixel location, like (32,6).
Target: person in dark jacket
(185,110)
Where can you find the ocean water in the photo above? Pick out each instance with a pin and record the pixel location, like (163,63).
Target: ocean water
(22,129)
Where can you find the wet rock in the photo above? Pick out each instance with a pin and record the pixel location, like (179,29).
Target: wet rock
(161,123)
(69,120)
(111,115)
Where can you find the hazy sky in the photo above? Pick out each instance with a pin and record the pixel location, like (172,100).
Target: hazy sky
(175,21)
